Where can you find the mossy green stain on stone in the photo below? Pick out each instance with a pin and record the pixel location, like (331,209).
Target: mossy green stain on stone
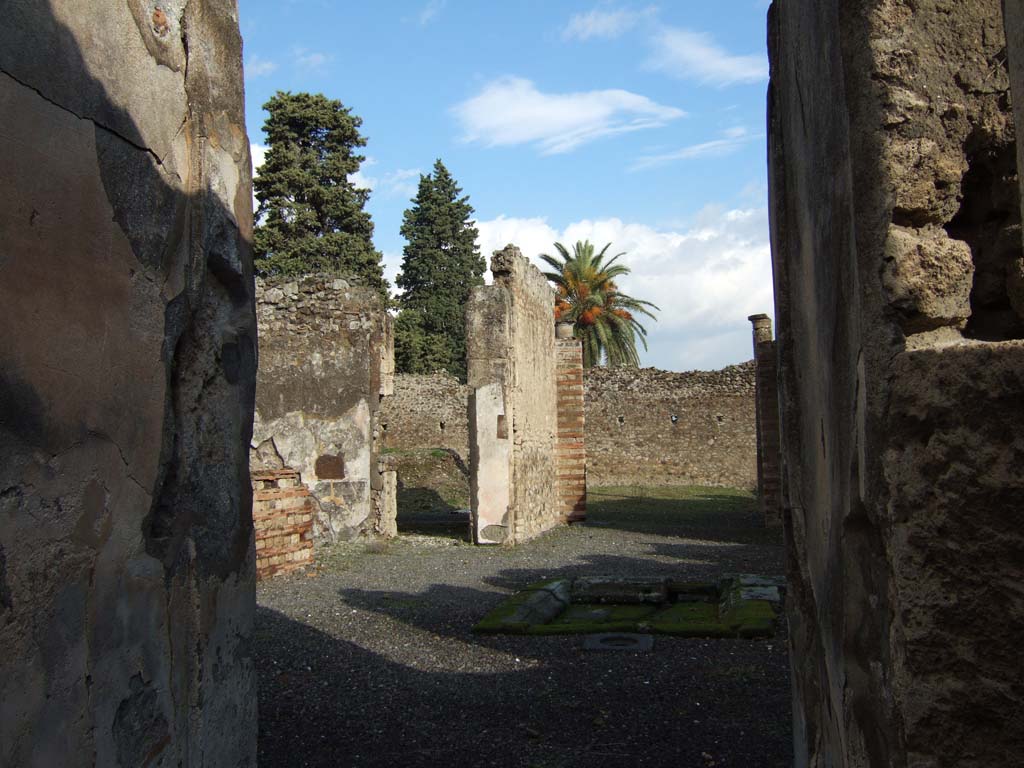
(693,610)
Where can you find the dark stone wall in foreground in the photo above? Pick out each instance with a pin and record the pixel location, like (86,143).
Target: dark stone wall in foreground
(127,373)
(897,258)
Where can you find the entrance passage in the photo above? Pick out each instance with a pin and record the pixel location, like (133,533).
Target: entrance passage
(433,493)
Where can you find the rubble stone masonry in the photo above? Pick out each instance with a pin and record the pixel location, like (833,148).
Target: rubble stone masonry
(651,427)
(629,434)
(326,361)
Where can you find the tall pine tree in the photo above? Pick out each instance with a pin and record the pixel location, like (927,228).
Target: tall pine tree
(440,266)
(310,216)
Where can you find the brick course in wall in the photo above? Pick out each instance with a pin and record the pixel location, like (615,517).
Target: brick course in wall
(570,447)
(282,512)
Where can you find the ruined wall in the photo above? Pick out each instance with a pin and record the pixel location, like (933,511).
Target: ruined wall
(426,411)
(896,249)
(651,427)
(627,423)
(512,407)
(326,360)
(127,366)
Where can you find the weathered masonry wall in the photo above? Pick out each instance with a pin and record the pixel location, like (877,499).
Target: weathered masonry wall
(570,448)
(282,513)
(326,360)
(897,258)
(512,419)
(427,411)
(769,459)
(651,427)
(127,369)
(628,417)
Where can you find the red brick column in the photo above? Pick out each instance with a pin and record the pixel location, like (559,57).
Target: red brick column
(570,450)
(282,513)
(769,464)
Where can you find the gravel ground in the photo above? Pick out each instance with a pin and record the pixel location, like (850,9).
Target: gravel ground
(368,659)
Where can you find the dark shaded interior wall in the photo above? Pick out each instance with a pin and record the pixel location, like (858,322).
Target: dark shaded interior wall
(895,240)
(127,371)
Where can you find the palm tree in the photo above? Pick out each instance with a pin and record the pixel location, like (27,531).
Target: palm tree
(604,317)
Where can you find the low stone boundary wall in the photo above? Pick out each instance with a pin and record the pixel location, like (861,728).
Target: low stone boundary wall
(282,512)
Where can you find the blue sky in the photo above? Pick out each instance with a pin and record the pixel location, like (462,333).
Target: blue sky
(636,124)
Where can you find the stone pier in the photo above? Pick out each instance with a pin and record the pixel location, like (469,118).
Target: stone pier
(513,419)
(769,471)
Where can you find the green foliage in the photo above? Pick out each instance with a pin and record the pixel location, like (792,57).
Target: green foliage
(310,216)
(416,350)
(604,318)
(440,266)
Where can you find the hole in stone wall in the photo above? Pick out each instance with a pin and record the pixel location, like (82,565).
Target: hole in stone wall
(622,420)
(989,222)
(673,418)
(442,426)
(719,418)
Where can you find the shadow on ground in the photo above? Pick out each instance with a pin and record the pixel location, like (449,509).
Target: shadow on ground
(372,663)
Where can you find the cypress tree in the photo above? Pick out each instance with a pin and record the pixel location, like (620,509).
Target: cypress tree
(440,266)
(310,216)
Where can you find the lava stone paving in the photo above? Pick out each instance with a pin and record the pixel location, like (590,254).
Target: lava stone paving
(368,658)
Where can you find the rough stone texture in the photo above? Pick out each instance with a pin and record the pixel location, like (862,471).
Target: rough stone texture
(769,458)
(326,360)
(571,449)
(627,423)
(511,372)
(282,514)
(891,149)
(427,411)
(127,369)
(632,438)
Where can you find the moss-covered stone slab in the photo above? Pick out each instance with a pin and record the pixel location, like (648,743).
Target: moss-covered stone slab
(736,606)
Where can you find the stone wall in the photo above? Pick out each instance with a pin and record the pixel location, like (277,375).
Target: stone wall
(427,411)
(897,259)
(512,407)
(651,427)
(326,360)
(282,514)
(127,367)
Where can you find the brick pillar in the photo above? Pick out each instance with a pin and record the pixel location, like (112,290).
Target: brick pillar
(282,513)
(769,470)
(570,449)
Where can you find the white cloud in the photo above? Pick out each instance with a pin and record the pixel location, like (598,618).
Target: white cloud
(510,110)
(604,24)
(403,182)
(259,154)
(706,277)
(430,11)
(257,66)
(695,56)
(732,139)
(311,60)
